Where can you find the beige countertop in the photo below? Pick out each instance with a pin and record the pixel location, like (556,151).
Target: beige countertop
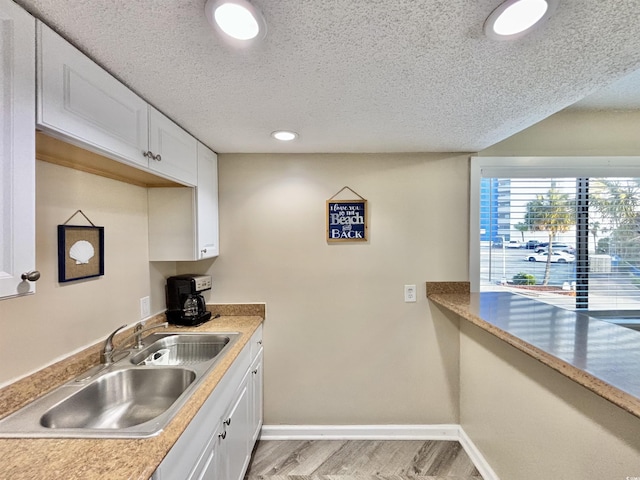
(602,357)
(135,459)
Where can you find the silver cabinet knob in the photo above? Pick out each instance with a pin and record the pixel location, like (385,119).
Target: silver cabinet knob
(32,276)
(158,158)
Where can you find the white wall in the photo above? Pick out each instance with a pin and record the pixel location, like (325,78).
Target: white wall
(64,317)
(341,346)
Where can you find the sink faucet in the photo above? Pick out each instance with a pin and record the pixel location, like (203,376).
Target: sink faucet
(140,328)
(108,350)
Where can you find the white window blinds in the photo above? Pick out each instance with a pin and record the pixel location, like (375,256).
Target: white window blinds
(573,241)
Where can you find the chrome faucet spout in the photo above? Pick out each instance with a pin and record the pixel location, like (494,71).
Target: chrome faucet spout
(140,329)
(107,351)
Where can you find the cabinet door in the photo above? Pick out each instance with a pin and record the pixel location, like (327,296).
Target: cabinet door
(207,203)
(211,470)
(255,407)
(17,149)
(234,450)
(82,103)
(207,467)
(172,224)
(174,150)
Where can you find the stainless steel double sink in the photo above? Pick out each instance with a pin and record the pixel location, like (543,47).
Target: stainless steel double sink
(135,397)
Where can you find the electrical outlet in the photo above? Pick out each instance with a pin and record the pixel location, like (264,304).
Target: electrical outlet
(145,307)
(410,293)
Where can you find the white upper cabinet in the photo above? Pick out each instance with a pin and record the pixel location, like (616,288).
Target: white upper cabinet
(173,151)
(183,222)
(82,103)
(17,149)
(207,203)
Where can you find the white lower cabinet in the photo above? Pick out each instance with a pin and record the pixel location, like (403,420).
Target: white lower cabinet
(235,452)
(255,392)
(208,465)
(218,443)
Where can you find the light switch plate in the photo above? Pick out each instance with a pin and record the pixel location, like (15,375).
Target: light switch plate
(410,293)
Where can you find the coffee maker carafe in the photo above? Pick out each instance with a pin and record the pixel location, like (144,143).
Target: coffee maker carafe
(185,304)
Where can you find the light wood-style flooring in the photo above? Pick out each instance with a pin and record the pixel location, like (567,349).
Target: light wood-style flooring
(360,460)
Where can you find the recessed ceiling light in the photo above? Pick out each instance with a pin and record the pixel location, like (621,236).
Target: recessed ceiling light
(284,135)
(238,19)
(515,18)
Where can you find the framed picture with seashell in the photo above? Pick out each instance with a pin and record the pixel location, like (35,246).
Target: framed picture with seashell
(80,252)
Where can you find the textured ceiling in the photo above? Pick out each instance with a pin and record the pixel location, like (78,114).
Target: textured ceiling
(354,75)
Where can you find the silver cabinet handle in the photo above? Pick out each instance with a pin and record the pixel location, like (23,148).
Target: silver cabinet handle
(227,421)
(223,435)
(204,250)
(32,276)
(259,342)
(149,154)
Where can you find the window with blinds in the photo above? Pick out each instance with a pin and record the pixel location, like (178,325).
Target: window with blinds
(573,241)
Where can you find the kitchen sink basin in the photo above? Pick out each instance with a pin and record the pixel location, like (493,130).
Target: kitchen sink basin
(130,398)
(181,349)
(120,399)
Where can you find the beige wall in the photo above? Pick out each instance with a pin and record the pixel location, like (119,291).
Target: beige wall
(64,317)
(573,133)
(342,347)
(533,423)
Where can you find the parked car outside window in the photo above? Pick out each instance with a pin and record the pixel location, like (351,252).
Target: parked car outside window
(556,247)
(556,257)
(532,244)
(513,244)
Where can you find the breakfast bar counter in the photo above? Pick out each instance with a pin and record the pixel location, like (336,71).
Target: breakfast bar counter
(602,357)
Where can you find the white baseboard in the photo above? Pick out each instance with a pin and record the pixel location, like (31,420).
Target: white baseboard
(359,432)
(476,457)
(381,432)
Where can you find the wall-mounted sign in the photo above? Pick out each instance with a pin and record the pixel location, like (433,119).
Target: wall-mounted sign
(347,220)
(80,251)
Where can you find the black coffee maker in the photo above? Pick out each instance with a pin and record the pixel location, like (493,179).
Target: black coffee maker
(185,304)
